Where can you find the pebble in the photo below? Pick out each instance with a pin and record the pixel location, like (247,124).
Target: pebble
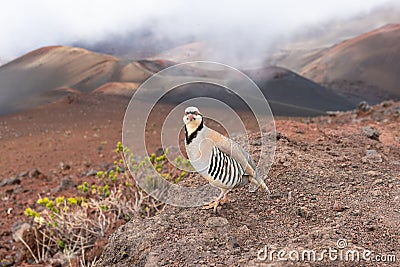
(377,193)
(63,166)
(65,184)
(371,132)
(387,103)
(377,182)
(372,156)
(370,227)
(23,174)
(10,181)
(287,163)
(372,173)
(363,106)
(303,212)
(18,230)
(277,195)
(338,207)
(91,172)
(216,222)
(34,173)
(356,213)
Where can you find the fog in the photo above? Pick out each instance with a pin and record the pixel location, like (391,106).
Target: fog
(234,28)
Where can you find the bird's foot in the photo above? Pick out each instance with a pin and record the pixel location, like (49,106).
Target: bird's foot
(224,200)
(212,205)
(209,206)
(216,203)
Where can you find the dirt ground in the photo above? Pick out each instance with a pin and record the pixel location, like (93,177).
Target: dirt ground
(329,181)
(333,189)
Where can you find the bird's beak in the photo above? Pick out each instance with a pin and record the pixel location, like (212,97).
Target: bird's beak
(190,117)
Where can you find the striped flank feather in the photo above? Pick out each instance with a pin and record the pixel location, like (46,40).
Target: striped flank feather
(225,169)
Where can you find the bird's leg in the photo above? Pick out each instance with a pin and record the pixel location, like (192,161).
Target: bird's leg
(225,198)
(214,204)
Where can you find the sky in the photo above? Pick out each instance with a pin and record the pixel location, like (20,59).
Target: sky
(28,25)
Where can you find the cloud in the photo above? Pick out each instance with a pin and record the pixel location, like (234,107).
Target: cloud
(230,25)
(27,25)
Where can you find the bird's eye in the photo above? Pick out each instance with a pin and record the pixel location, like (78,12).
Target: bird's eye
(196,113)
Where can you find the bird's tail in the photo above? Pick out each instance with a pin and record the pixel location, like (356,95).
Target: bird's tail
(256,182)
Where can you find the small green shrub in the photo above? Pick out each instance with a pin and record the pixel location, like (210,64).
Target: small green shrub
(71,225)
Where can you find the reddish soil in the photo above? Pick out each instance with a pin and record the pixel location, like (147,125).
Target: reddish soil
(335,186)
(78,134)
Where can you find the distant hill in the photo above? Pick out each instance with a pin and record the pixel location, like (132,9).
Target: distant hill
(29,80)
(50,73)
(366,66)
(308,42)
(290,94)
(39,76)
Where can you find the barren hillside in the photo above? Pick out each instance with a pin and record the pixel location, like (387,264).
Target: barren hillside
(365,66)
(42,76)
(51,73)
(331,179)
(332,187)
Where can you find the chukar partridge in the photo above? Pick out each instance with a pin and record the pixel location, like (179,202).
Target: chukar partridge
(223,162)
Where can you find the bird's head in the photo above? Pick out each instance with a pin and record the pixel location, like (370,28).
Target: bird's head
(192,119)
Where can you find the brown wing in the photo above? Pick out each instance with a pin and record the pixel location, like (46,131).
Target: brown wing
(235,151)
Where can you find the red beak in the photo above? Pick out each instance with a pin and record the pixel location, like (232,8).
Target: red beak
(190,117)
